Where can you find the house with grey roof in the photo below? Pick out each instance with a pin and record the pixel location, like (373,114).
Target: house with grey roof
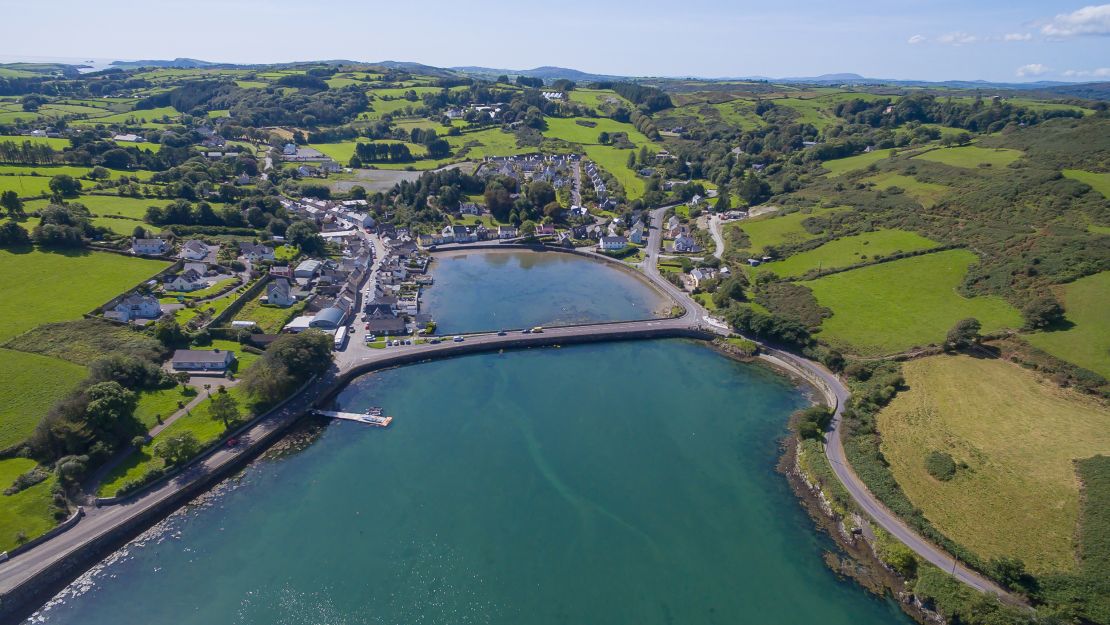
(203,360)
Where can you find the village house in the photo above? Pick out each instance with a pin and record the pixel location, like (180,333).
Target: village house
(193,249)
(636,235)
(685,243)
(612,244)
(545,230)
(256,252)
(186,281)
(134,306)
(469,208)
(507,232)
(701,274)
(279,293)
(206,360)
(149,247)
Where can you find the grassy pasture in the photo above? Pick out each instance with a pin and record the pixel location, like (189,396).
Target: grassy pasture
(971,156)
(841,166)
(197,421)
(615,161)
(101,205)
(777,229)
(568,130)
(54,142)
(1018,435)
(29,511)
(1087,342)
(25,186)
(848,251)
(32,384)
(83,341)
(927,193)
(891,307)
(1098,181)
(143,118)
(489,142)
(40,287)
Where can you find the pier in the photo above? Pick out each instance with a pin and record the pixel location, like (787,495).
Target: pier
(374,418)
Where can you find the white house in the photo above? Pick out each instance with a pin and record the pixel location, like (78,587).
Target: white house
(186,281)
(611,244)
(685,243)
(701,274)
(636,235)
(278,293)
(470,208)
(193,250)
(149,247)
(255,252)
(202,360)
(134,306)
(447,234)
(507,232)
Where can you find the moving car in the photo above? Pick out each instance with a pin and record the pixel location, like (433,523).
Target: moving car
(458,339)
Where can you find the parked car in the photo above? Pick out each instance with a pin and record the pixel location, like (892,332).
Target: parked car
(528,331)
(458,339)
(501,333)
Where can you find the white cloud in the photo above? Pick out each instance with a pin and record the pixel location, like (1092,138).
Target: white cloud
(916,39)
(957,39)
(1032,69)
(1017,37)
(1091,20)
(1100,72)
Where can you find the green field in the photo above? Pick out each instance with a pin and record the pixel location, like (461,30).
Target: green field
(144,118)
(971,156)
(891,307)
(1087,342)
(271,319)
(568,129)
(31,385)
(56,143)
(1019,436)
(489,142)
(159,403)
(774,229)
(25,186)
(40,287)
(927,193)
(847,251)
(1098,181)
(841,166)
(197,421)
(29,511)
(615,161)
(598,97)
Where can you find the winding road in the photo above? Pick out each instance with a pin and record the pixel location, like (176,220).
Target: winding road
(67,554)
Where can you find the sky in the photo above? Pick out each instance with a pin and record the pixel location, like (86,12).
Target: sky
(997,40)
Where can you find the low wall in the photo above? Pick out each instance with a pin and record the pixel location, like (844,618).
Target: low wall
(58,529)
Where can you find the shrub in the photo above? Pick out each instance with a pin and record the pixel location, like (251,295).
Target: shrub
(940,465)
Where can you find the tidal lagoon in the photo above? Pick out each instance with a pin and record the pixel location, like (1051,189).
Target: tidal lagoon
(610,483)
(512,289)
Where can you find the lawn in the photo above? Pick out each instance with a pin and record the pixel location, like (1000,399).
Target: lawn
(1098,181)
(270,319)
(927,193)
(775,229)
(32,281)
(1019,495)
(615,161)
(1087,342)
(219,286)
(31,385)
(30,511)
(206,429)
(568,129)
(971,156)
(869,246)
(488,142)
(841,166)
(891,307)
(160,403)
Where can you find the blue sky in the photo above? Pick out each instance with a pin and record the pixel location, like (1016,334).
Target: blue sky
(1001,40)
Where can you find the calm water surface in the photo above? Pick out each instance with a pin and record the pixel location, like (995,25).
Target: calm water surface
(610,483)
(492,290)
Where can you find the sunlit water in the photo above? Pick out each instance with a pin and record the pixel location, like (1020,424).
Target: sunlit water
(503,289)
(609,483)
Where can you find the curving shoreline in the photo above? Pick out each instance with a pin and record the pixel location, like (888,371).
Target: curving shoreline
(28,579)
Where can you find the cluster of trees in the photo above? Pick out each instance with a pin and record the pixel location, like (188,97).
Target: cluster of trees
(649,99)
(978,116)
(536,202)
(380,153)
(644,124)
(272,107)
(64,226)
(28,153)
(289,361)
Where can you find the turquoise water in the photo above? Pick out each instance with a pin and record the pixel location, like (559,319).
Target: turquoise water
(609,483)
(492,290)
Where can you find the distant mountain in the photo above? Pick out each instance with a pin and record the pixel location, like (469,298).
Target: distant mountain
(546,72)
(415,68)
(177,63)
